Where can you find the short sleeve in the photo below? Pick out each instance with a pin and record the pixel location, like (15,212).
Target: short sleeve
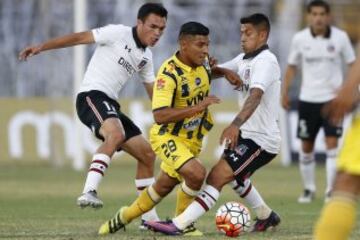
(347,50)
(294,53)
(164,89)
(232,64)
(107,34)
(146,72)
(264,73)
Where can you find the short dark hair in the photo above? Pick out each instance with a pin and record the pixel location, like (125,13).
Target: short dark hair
(193,28)
(318,3)
(258,20)
(148,8)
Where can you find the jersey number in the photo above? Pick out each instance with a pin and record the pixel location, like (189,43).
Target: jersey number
(109,107)
(168,148)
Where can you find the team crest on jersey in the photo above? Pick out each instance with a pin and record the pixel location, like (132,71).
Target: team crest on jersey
(160,84)
(247,74)
(331,48)
(197,81)
(241,149)
(185,90)
(142,63)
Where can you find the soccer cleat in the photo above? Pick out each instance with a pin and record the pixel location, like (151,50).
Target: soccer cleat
(114,224)
(307,197)
(142,226)
(271,222)
(192,231)
(165,227)
(89,199)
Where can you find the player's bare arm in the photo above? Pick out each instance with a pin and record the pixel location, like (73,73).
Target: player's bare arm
(231,133)
(149,89)
(232,77)
(289,76)
(168,115)
(59,42)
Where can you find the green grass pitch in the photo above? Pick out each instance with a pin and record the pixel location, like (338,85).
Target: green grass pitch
(37,201)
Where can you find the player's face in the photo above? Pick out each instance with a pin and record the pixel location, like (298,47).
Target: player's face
(318,18)
(196,49)
(251,37)
(151,29)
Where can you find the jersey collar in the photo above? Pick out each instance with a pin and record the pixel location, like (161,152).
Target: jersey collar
(181,64)
(256,52)
(326,35)
(137,39)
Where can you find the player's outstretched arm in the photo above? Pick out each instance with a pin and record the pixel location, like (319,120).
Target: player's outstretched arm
(168,114)
(231,133)
(59,42)
(232,77)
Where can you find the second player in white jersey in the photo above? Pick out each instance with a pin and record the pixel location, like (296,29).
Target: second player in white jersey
(261,71)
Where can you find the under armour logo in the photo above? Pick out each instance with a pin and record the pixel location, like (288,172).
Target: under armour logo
(234,157)
(127,48)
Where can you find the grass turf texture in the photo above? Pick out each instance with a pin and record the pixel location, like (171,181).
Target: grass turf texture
(37,201)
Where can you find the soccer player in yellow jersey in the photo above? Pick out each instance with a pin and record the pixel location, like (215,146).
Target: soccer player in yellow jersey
(180,108)
(338,216)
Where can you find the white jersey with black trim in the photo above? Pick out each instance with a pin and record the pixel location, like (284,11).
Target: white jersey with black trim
(261,71)
(320,58)
(117,57)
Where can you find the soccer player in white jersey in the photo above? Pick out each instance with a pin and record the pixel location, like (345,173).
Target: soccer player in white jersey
(253,137)
(319,50)
(121,52)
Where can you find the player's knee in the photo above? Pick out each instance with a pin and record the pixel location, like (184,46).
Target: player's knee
(115,138)
(147,159)
(149,156)
(196,178)
(199,177)
(216,180)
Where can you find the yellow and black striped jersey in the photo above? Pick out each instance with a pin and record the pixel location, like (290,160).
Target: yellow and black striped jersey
(178,86)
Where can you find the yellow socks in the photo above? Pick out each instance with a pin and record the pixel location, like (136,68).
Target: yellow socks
(145,201)
(337,218)
(185,196)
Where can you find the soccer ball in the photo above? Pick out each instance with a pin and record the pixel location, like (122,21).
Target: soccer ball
(233,218)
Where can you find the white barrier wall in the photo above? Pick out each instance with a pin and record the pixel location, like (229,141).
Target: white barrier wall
(33,129)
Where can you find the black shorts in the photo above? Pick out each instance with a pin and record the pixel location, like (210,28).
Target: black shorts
(246,158)
(94,107)
(311,120)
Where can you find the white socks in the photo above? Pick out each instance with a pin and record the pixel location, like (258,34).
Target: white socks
(330,168)
(205,200)
(96,171)
(307,170)
(253,198)
(141,184)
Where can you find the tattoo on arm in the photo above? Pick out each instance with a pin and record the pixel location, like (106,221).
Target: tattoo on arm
(249,107)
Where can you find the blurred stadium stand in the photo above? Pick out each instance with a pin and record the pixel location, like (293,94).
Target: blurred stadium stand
(32,21)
